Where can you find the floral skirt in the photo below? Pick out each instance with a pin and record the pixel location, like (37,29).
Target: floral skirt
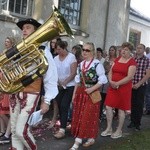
(85,119)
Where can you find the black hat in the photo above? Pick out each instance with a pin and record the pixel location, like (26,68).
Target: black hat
(28,21)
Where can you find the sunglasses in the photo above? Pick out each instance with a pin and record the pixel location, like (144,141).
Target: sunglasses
(86,50)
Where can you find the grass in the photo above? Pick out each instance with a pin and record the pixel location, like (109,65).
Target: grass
(137,141)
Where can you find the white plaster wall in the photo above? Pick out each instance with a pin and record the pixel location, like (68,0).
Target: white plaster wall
(8,29)
(141,26)
(96,22)
(117,24)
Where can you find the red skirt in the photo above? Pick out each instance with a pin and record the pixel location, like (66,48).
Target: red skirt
(85,119)
(4,104)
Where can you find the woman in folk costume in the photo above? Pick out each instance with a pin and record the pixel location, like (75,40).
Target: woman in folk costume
(85,121)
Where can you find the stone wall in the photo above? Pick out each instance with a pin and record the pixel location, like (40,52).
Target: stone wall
(104,22)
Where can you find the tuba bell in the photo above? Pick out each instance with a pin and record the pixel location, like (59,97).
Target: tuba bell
(25,62)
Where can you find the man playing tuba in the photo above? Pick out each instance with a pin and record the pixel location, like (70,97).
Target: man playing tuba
(23,103)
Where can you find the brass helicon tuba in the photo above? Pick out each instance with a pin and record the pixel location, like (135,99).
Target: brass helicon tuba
(24,63)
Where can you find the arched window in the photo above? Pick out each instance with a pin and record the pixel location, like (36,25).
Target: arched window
(18,7)
(71,9)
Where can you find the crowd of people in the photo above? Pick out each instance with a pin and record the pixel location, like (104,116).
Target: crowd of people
(121,77)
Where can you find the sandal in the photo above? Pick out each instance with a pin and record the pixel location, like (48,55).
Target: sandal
(73,148)
(89,143)
(76,145)
(60,134)
(116,135)
(106,133)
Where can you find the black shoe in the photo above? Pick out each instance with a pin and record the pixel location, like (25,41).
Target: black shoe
(131,125)
(137,128)
(4,140)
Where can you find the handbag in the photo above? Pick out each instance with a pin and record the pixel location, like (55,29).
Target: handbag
(95,95)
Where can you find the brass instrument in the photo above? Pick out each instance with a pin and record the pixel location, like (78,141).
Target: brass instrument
(24,63)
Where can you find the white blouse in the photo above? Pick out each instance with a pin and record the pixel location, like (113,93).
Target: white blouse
(100,71)
(64,69)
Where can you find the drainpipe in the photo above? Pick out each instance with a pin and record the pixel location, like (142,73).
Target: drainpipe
(106,22)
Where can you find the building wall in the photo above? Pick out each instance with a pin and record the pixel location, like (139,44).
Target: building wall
(141,26)
(95,21)
(7,29)
(104,21)
(117,23)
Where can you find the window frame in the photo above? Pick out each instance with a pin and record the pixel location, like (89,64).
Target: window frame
(77,17)
(29,7)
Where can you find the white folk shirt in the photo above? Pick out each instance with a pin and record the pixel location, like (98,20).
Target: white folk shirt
(50,78)
(102,79)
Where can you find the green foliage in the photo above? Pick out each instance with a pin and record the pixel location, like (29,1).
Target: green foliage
(136,141)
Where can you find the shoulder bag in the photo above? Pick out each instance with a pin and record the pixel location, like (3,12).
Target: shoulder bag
(95,95)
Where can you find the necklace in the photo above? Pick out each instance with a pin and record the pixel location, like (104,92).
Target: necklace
(85,68)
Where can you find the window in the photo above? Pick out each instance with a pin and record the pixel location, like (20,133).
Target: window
(71,10)
(134,37)
(18,7)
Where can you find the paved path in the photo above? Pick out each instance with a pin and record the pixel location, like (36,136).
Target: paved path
(46,141)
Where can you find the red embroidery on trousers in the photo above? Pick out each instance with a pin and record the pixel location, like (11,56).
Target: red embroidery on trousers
(12,100)
(25,135)
(22,97)
(12,148)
